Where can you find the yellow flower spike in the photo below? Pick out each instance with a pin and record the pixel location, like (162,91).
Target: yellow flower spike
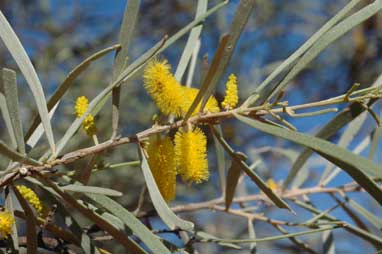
(6,222)
(162,86)
(88,124)
(190,94)
(32,198)
(191,155)
(231,98)
(82,104)
(162,164)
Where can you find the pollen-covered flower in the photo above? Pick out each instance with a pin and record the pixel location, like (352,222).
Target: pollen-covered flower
(82,104)
(88,124)
(32,198)
(191,155)
(6,222)
(231,98)
(162,164)
(162,86)
(189,97)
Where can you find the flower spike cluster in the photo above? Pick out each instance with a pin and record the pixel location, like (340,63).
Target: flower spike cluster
(231,98)
(191,155)
(168,94)
(6,223)
(80,108)
(162,164)
(32,198)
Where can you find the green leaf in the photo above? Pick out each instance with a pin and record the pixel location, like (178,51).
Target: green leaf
(233,176)
(357,167)
(220,159)
(31,223)
(11,96)
(252,235)
(125,36)
(333,34)
(374,220)
(164,212)
(299,52)
(138,229)
(6,116)
(223,55)
(201,8)
(14,46)
(15,156)
(330,129)
(254,177)
(376,240)
(66,84)
(351,130)
(124,240)
(91,189)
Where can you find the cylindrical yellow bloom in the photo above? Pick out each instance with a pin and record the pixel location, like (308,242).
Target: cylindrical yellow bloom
(162,164)
(231,98)
(32,198)
(168,94)
(82,104)
(162,86)
(191,155)
(6,222)
(88,124)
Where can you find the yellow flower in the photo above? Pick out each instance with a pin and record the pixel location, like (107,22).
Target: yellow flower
(231,98)
(32,198)
(162,86)
(162,164)
(191,155)
(272,184)
(168,94)
(6,222)
(88,124)
(190,94)
(82,104)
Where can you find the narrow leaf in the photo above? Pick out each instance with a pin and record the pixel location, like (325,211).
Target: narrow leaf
(201,8)
(91,190)
(220,159)
(254,177)
(300,51)
(357,167)
(232,179)
(11,96)
(128,243)
(329,37)
(66,84)
(125,36)
(31,223)
(140,230)
(6,116)
(10,208)
(15,156)
(164,212)
(14,46)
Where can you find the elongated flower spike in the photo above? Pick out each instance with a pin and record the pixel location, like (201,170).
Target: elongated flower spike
(231,98)
(88,124)
(161,160)
(191,155)
(163,88)
(168,94)
(6,222)
(32,198)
